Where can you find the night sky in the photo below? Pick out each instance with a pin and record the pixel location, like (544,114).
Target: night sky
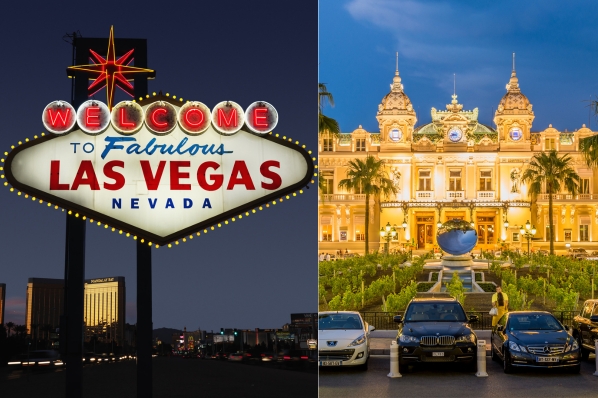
(555,44)
(253,274)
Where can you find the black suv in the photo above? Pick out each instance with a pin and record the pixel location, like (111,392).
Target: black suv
(436,330)
(585,327)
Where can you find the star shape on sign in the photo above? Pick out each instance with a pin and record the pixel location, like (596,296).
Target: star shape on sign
(110,72)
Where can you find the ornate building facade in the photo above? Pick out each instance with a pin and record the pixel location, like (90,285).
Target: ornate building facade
(454,167)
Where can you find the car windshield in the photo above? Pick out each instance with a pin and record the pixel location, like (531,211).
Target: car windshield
(339,321)
(533,322)
(436,312)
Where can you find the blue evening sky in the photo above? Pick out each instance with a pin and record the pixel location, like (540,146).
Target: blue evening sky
(555,43)
(253,274)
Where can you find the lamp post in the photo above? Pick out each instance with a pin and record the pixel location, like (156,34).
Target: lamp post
(528,232)
(387,233)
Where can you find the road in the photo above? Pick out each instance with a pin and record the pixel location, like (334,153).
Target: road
(173,377)
(443,381)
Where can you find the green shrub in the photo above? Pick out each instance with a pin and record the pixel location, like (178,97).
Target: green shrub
(487,286)
(425,286)
(455,288)
(398,302)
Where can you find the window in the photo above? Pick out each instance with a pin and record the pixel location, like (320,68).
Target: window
(584,185)
(360,145)
(326,227)
(359,223)
(425,181)
(485,180)
(454,180)
(327,187)
(327,144)
(326,233)
(549,144)
(584,233)
(485,230)
(360,232)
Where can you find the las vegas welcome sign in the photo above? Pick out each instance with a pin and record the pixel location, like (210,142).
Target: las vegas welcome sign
(159,169)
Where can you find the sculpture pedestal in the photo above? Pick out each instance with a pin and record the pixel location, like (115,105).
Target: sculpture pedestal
(460,265)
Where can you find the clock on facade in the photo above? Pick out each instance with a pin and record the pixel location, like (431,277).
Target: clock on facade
(395,135)
(455,134)
(515,134)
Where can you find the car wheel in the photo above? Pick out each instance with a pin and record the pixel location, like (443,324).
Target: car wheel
(365,365)
(403,368)
(506,363)
(493,354)
(575,369)
(582,351)
(472,367)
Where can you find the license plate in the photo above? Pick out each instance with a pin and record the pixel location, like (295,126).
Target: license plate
(438,354)
(547,359)
(331,363)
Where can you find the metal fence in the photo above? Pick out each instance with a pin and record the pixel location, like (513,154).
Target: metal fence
(384,320)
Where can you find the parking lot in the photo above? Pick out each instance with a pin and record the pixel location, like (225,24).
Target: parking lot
(448,381)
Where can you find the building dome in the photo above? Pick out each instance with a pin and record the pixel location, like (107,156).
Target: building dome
(396,101)
(514,98)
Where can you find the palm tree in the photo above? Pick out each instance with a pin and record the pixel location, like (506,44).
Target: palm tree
(589,149)
(370,178)
(556,174)
(589,145)
(326,125)
(9,327)
(21,330)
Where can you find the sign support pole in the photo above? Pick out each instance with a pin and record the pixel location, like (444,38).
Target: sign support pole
(74,286)
(74,281)
(144,320)
(73,322)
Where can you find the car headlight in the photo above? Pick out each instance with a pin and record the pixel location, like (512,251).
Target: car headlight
(572,346)
(358,341)
(513,346)
(404,338)
(466,338)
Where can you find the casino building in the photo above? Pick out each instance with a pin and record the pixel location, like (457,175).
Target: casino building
(104,307)
(454,167)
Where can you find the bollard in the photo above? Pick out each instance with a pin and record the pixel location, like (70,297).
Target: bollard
(481,359)
(394,360)
(596,353)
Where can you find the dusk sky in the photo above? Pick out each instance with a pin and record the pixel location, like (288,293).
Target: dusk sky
(253,274)
(554,41)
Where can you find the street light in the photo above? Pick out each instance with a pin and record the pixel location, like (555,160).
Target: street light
(527,233)
(387,233)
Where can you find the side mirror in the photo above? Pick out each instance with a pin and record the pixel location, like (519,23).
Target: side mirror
(500,328)
(371,328)
(473,318)
(397,318)
(594,318)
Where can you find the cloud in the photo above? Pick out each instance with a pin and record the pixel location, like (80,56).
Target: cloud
(438,40)
(14,308)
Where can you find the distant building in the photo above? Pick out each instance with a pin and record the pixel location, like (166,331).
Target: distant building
(104,309)
(2,301)
(45,302)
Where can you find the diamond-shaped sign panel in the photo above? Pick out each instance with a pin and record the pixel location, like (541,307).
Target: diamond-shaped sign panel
(159,185)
